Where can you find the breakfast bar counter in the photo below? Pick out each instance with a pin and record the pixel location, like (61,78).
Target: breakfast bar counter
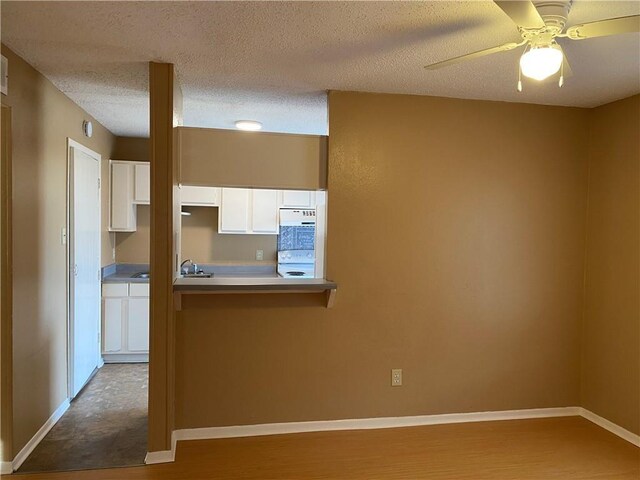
(232,285)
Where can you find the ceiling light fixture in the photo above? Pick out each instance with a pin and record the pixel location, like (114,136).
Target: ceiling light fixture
(541,62)
(248,125)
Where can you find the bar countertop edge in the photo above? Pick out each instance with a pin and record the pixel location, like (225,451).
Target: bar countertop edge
(186,285)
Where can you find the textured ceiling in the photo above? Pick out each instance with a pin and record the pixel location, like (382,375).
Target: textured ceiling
(274,61)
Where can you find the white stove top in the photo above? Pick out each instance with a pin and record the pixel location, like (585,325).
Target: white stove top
(296,263)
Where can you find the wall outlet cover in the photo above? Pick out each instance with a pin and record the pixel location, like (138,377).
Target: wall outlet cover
(396,377)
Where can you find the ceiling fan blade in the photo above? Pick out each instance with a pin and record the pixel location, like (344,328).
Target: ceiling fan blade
(470,56)
(602,28)
(523,13)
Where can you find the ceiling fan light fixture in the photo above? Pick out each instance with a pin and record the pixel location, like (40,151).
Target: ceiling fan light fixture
(541,62)
(248,125)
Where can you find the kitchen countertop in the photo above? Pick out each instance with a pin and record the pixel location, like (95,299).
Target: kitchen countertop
(123,272)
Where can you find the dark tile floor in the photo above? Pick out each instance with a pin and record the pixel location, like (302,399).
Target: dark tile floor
(106,425)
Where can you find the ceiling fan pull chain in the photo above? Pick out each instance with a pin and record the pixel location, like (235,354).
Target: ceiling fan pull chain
(519,86)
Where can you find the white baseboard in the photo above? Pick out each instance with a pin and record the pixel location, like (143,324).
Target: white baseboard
(40,434)
(209,433)
(125,357)
(163,456)
(6,468)
(610,426)
(368,423)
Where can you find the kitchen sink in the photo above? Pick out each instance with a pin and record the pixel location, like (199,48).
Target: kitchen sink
(140,275)
(197,275)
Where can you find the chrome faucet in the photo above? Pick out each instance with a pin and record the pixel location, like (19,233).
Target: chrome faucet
(184,270)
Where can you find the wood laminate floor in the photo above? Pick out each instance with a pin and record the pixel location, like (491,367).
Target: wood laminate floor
(105,426)
(541,449)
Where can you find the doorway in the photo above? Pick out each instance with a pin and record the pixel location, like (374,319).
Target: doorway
(84,266)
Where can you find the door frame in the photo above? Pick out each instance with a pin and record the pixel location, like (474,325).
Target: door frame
(68,232)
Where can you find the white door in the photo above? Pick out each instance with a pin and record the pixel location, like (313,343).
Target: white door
(84,266)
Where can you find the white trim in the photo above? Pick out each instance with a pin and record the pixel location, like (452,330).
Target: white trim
(611,427)
(208,433)
(40,434)
(6,468)
(350,424)
(369,423)
(125,357)
(163,456)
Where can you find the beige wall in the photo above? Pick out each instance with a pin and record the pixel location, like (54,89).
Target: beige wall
(131,148)
(231,158)
(456,236)
(133,247)
(611,334)
(42,118)
(202,242)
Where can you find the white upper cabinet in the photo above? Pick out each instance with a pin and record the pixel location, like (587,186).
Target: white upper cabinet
(298,199)
(248,211)
(123,211)
(142,187)
(234,210)
(199,196)
(264,214)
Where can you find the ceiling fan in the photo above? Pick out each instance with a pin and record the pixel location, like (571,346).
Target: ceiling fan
(540,23)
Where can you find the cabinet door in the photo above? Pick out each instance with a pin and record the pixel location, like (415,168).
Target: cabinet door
(234,210)
(138,324)
(298,198)
(123,211)
(199,196)
(142,188)
(264,212)
(112,324)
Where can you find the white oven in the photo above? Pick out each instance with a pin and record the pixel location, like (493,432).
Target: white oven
(296,243)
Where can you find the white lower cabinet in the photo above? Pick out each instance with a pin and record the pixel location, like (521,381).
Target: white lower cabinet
(125,324)
(138,325)
(112,319)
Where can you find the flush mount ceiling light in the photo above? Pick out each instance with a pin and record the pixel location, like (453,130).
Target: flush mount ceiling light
(539,23)
(541,62)
(248,125)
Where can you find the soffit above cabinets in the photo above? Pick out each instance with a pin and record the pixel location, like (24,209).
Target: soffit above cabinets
(274,61)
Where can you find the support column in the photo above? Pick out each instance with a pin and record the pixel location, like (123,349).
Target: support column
(165,100)
(6,298)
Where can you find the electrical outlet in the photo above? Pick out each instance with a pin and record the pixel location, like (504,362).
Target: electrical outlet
(396,377)
(259,255)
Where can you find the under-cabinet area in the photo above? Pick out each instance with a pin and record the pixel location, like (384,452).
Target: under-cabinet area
(224,230)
